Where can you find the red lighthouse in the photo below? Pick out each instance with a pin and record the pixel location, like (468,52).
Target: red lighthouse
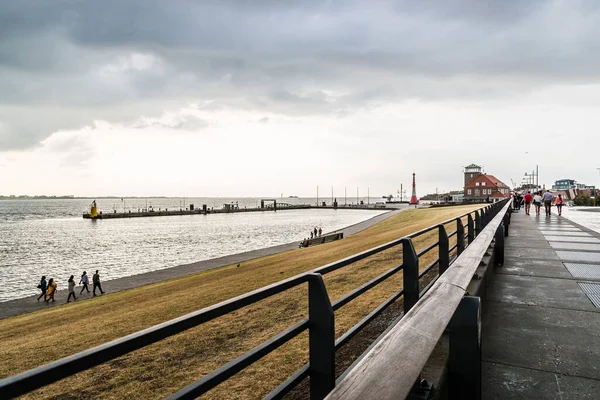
(413,198)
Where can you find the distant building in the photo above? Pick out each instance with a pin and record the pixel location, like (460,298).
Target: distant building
(481,187)
(566,184)
(457,198)
(570,188)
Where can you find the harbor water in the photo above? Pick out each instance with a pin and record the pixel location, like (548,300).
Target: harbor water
(50,237)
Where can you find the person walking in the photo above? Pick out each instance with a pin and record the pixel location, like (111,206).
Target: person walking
(312,235)
(315,231)
(71,283)
(320,231)
(43,286)
(96,282)
(559,204)
(547,198)
(85,281)
(51,291)
(527,199)
(537,202)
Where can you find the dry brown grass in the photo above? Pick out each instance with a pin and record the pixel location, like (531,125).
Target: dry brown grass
(155,371)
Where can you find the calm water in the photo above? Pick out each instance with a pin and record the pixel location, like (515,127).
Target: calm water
(50,237)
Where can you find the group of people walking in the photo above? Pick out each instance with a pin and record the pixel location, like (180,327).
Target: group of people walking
(538,198)
(48,288)
(315,232)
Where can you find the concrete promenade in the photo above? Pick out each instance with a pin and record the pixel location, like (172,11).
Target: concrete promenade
(29,304)
(541,331)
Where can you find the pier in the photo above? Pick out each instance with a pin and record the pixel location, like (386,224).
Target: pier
(231,208)
(227,208)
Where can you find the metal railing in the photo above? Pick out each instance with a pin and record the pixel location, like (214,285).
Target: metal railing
(407,345)
(320,322)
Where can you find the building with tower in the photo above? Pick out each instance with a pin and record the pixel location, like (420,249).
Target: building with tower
(481,187)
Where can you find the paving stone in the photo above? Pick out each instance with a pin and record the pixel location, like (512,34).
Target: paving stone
(514,383)
(532,267)
(535,290)
(563,233)
(586,271)
(575,246)
(567,238)
(528,252)
(578,256)
(543,338)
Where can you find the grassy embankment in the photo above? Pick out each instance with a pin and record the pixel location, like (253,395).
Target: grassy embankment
(34,339)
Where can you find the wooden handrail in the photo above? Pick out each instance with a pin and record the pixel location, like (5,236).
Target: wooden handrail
(392,366)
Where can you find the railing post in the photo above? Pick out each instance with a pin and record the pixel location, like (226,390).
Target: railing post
(410,270)
(464,360)
(470,229)
(460,237)
(506,222)
(478,226)
(499,246)
(443,250)
(321,338)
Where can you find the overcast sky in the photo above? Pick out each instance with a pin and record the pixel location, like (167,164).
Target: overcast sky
(256,98)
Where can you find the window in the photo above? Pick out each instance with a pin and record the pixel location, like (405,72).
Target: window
(482,183)
(469,192)
(476,192)
(476,183)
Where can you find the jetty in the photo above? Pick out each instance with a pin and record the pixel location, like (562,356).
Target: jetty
(227,208)
(265,205)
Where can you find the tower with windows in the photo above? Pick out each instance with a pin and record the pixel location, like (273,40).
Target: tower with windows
(471,172)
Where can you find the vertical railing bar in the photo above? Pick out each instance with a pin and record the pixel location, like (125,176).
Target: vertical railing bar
(410,260)
(443,250)
(470,229)
(321,338)
(460,237)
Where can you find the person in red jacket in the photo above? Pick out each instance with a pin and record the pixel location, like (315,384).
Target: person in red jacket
(527,199)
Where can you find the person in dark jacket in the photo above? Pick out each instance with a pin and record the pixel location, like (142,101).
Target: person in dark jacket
(96,282)
(43,286)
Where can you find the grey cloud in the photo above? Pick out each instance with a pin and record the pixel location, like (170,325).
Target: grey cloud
(65,64)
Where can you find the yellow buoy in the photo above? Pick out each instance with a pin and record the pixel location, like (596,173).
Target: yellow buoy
(93,211)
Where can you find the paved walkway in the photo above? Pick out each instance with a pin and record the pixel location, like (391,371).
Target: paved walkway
(29,304)
(541,331)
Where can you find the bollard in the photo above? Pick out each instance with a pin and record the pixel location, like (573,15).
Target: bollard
(410,270)
(321,338)
(443,250)
(460,237)
(499,246)
(464,360)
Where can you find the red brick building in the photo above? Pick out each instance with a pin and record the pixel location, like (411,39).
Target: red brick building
(481,187)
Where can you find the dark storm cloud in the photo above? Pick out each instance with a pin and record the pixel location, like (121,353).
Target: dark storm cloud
(64,64)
